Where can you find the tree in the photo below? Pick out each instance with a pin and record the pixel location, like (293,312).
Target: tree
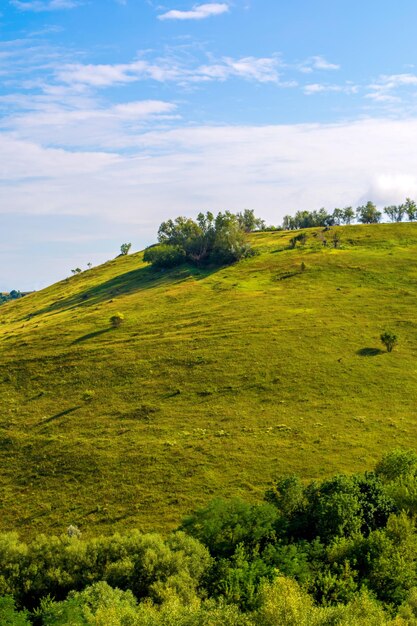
(389,340)
(230,242)
(288,223)
(395,213)
(410,209)
(203,243)
(348,215)
(182,232)
(248,222)
(338,217)
(124,248)
(368,214)
(76,271)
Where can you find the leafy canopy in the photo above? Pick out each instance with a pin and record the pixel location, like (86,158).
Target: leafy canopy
(208,239)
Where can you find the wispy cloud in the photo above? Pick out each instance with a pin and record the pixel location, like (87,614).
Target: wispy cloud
(389,88)
(39,6)
(317,63)
(88,125)
(263,70)
(102,75)
(314,88)
(167,69)
(198,12)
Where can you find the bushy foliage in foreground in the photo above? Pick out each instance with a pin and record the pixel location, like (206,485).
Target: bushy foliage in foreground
(340,551)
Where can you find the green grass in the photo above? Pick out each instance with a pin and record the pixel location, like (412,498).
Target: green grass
(217,381)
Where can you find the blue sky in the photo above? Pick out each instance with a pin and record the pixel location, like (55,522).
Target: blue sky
(117,114)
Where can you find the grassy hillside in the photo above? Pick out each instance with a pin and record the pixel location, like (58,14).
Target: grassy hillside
(217,381)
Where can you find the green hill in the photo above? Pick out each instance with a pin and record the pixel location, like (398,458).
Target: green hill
(217,381)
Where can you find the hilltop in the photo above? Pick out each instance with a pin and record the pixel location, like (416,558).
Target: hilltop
(217,381)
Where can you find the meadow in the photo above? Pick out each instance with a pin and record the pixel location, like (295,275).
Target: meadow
(217,382)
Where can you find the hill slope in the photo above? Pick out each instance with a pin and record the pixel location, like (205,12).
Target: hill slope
(217,381)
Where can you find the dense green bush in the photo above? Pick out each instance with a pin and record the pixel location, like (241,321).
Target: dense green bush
(10,616)
(216,240)
(224,524)
(147,564)
(117,320)
(164,256)
(339,551)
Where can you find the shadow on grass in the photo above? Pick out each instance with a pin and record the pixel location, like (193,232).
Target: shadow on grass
(58,415)
(92,335)
(127,283)
(369,352)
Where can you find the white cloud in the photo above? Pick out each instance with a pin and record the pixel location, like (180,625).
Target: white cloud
(39,6)
(26,160)
(391,188)
(169,70)
(141,109)
(88,127)
(315,88)
(101,75)
(393,81)
(320,63)
(317,63)
(263,70)
(273,169)
(391,88)
(385,98)
(199,12)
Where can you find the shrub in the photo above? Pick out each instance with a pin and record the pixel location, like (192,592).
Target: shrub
(73,531)
(389,340)
(116,320)
(397,464)
(9,615)
(164,256)
(301,238)
(224,524)
(88,395)
(98,604)
(336,240)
